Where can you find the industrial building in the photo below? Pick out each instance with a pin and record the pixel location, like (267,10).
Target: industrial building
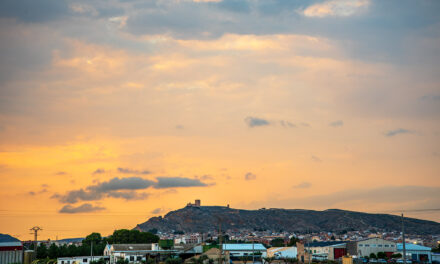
(11,250)
(240,250)
(364,248)
(416,253)
(327,250)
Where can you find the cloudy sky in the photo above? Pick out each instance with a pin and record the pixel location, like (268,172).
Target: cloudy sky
(115,111)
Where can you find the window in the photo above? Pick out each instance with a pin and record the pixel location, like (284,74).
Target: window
(62,261)
(387,245)
(373,245)
(379,245)
(131,258)
(85,260)
(367,245)
(139,258)
(391,245)
(361,245)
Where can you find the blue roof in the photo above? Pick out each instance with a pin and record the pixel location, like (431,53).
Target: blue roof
(409,246)
(243,247)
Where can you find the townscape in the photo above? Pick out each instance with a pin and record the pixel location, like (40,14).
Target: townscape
(226,246)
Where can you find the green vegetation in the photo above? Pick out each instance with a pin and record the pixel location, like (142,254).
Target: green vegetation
(381,255)
(437,249)
(293,241)
(166,243)
(98,242)
(173,261)
(373,256)
(277,242)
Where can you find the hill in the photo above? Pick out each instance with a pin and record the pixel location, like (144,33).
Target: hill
(206,218)
(7,238)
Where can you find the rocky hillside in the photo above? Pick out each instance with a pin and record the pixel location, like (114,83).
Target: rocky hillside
(207,218)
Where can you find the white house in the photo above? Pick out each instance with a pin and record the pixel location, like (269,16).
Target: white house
(134,253)
(80,260)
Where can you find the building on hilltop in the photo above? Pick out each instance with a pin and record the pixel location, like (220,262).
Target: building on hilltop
(195,204)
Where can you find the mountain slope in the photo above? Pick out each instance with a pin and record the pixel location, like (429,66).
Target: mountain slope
(207,218)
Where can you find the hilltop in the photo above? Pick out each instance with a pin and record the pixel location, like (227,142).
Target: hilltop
(206,218)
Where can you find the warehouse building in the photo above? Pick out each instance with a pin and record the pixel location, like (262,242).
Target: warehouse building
(11,250)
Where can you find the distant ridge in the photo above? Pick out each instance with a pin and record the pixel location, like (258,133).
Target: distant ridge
(206,218)
(7,238)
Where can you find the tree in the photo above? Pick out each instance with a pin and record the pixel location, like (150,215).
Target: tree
(166,243)
(333,238)
(277,242)
(173,261)
(373,256)
(122,261)
(125,236)
(381,255)
(96,238)
(53,251)
(293,241)
(41,251)
(398,255)
(437,249)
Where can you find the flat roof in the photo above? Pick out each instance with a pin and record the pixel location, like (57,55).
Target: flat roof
(244,246)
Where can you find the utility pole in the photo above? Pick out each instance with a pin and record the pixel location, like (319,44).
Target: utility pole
(253,250)
(35,230)
(220,242)
(403,241)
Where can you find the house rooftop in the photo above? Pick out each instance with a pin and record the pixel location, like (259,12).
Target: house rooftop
(409,246)
(250,247)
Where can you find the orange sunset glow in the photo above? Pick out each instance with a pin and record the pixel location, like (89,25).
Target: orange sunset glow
(112,112)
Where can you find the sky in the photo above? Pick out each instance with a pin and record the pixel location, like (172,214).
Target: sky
(112,112)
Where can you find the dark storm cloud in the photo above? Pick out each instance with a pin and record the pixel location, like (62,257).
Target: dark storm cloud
(131,171)
(175,182)
(337,123)
(125,188)
(84,208)
(256,122)
(111,188)
(132,183)
(392,133)
(128,195)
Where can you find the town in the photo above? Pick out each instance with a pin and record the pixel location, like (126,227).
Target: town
(225,246)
